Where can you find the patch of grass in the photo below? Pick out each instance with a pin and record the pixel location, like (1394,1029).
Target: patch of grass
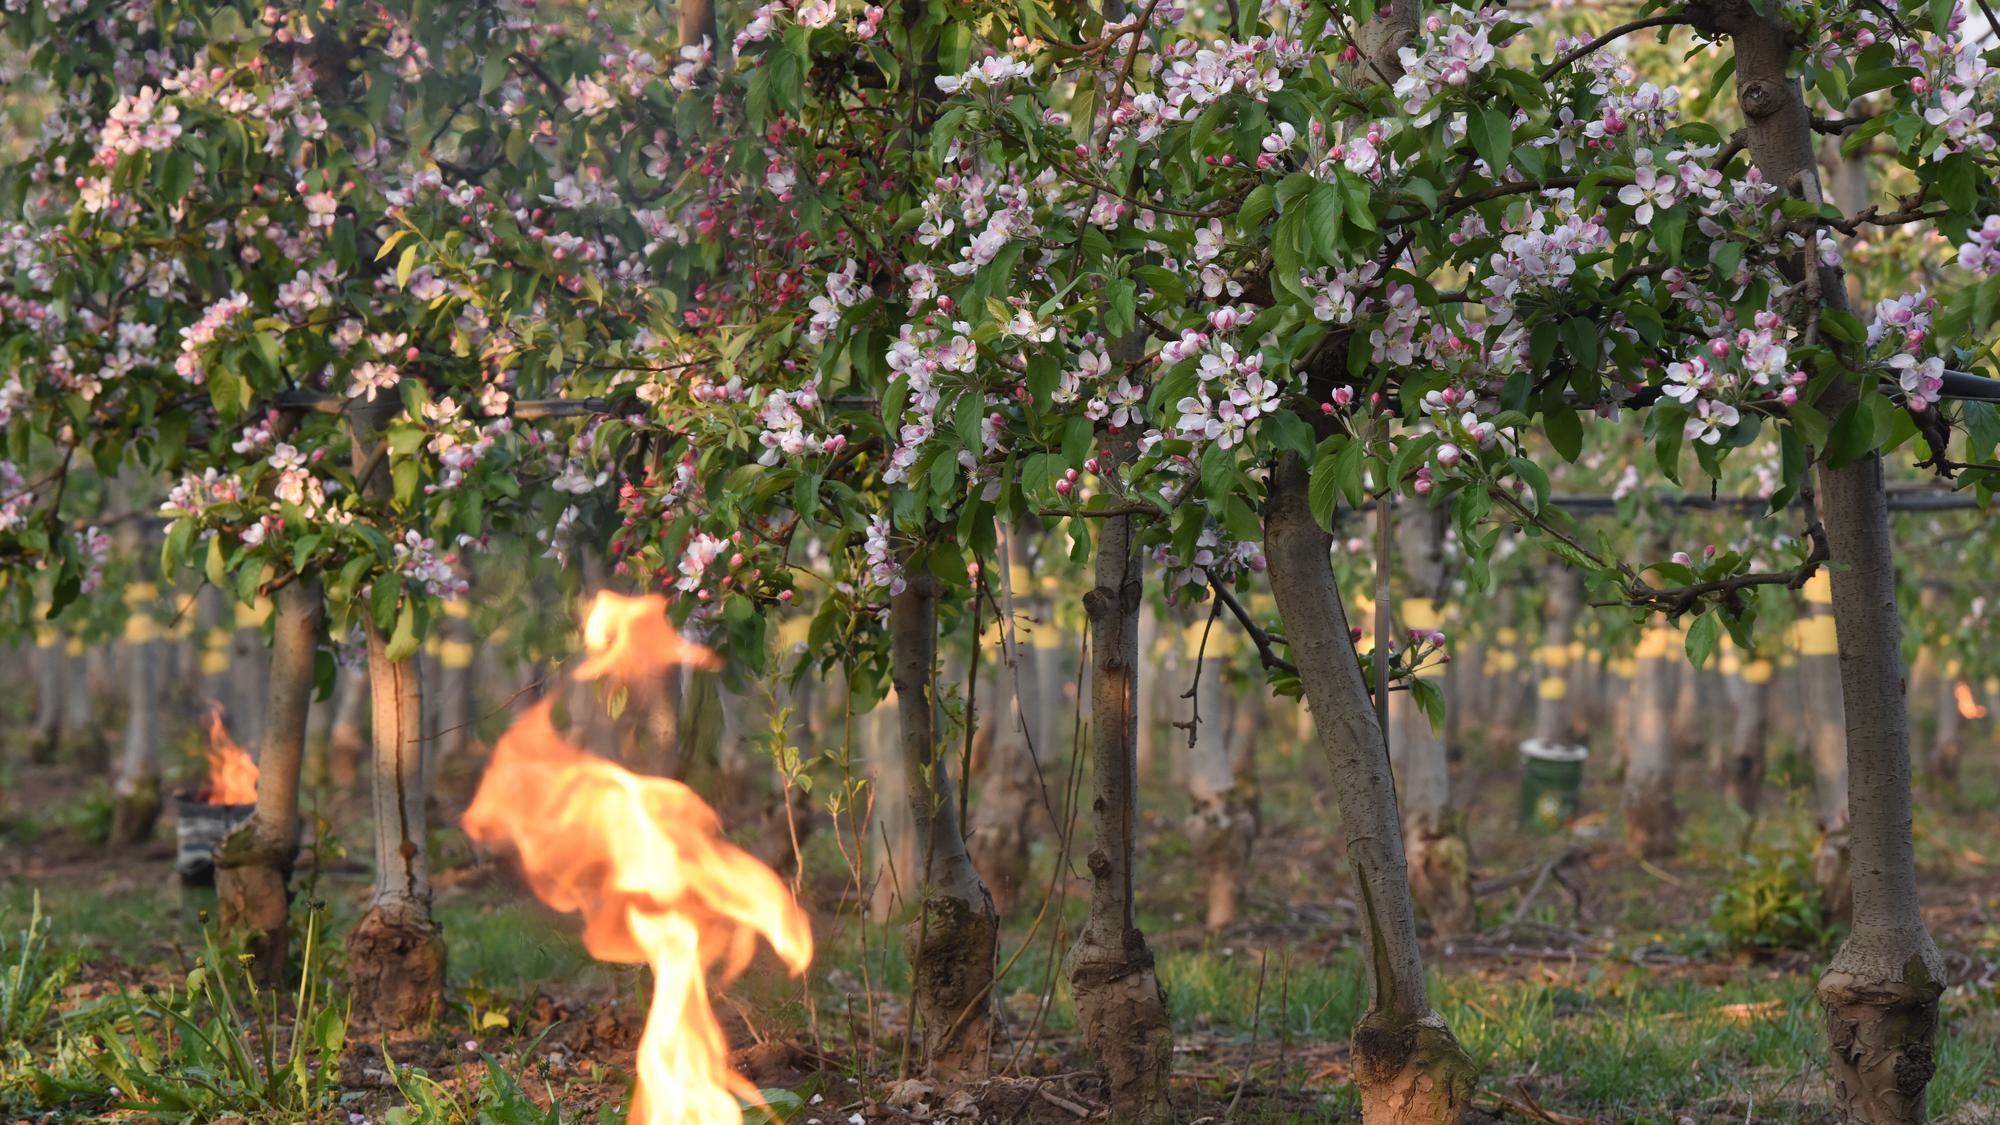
(133,924)
(32,977)
(509,946)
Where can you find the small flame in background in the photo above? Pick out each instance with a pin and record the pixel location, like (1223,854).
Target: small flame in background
(232,774)
(1968,707)
(643,860)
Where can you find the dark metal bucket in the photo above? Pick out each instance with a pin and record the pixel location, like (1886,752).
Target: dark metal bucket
(198,830)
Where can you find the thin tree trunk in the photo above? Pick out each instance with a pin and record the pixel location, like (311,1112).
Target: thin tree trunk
(1749,688)
(347,745)
(50,664)
(136,794)
(1408,1064)
(1009,795)
(953,943)
(1881,991)
(1948,745)
(83,736)
(891,847)
(1652,824)
(1433,841)
(1222,823)
(1552,689)
(254,862)
(1825,721)
(395,954)
(1120,1006)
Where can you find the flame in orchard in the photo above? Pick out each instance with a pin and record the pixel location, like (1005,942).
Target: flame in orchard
(232,774)
(643,860)
(1968,707)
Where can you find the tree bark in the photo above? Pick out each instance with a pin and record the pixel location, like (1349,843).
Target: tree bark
(1749,688)
(1825,721)
(1881,991)
(347,745)
(1948,744)
(1433,840)
(136,794)
(254,863)
(1552,689)
(395,954)
(1120,1006)
(46,734)
(953,943)
(1652,824)
(1407,1063)
(1222,822)
(1009,792)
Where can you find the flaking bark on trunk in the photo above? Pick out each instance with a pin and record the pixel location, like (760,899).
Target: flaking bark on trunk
(1120,1005)
(254,863)
(1407,1063)
(1652,824)
(953,942)
(1881,991)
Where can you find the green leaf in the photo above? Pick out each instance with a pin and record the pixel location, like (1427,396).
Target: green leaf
(1853,436)
(1257,206)
(1323,489)
(1701,638)
(403,639)
(1669,227)
(1493,137)
(405,264)
(215,570)
(1323,209)
(1538,481)
(1565,431)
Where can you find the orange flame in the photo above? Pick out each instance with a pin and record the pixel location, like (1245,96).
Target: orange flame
(643,860)
(1968,707)
(232,774)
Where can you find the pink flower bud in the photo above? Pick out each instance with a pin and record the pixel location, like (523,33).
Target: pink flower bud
(1063,487)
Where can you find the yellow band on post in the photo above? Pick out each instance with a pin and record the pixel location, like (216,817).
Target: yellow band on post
(140,629)
(74,646)
(794,630)
(455,655)
(1552,656)
(458,610)
(1757,672)
(1422,613)
(1623,667)
(1503,661)
(1657,643)
(1819,589)
(139,593)
(214,662)
(1555,687)
(1507,635)
(1817,636)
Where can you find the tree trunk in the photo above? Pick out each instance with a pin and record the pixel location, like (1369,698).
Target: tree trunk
(1652,825)
(892,853)
(1434,844)
(347,745)
(50,664)
(1009,791)
(1222,824)
(1749,688)
(953,943)
(1826,738)
(395,954)
(255,861)
(1120,1006)
(1410,1068)
(1881,991)
(1552,691)
(82,734)
(1948,745)
(136,795)
(1149,706)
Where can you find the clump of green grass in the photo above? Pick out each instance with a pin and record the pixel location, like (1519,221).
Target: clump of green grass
(32,977)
